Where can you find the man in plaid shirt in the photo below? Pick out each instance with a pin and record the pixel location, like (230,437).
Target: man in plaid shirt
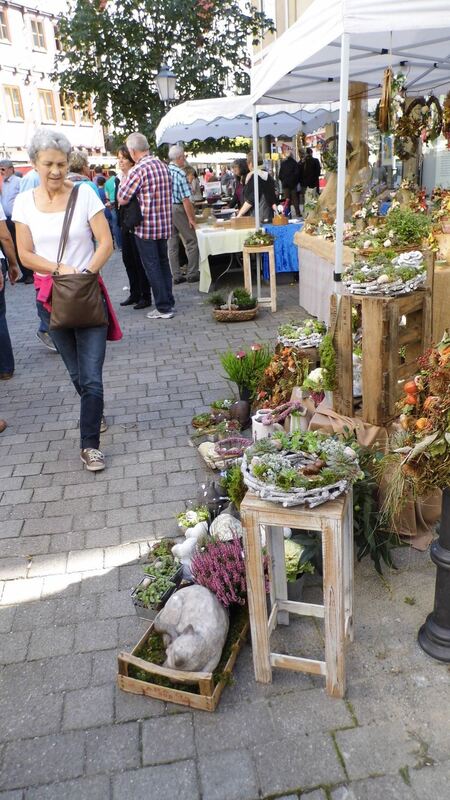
(183,219)
(149,181)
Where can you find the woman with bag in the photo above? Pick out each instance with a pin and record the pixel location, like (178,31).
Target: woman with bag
(140,289)
(57,224)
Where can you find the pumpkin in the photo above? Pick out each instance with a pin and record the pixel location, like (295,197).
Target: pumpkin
(410,387)
(411,400)
(430,402)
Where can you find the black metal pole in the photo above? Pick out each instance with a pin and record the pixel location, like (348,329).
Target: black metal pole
(434,635)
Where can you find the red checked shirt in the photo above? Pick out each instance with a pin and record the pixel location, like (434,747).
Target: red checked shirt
(150,181)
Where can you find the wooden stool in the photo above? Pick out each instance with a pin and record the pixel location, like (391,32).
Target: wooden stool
(269,249)
(335,521)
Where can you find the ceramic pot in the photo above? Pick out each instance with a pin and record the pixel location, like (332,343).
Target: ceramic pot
(295,589)
(261,431)
(240,410)
(244,393)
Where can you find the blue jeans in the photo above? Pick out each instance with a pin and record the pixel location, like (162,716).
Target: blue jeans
(154,258)
(117,233)
(6,351)
(43,316)
(83,352)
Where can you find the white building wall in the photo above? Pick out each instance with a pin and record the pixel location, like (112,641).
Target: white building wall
(27,67)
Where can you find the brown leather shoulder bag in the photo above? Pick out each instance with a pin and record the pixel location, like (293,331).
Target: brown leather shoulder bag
(76,299)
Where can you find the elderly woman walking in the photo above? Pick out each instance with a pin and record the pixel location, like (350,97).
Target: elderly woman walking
(42,218)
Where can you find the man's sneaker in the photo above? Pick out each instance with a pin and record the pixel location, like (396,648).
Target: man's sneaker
(46,339)
(155,314)
(93,459)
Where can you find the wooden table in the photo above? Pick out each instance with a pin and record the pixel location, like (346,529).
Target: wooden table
(214,241)
(316,257)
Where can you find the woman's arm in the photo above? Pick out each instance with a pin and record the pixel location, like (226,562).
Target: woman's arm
(102,235)
(244,208)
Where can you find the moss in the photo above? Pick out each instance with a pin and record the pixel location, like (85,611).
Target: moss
(154,652)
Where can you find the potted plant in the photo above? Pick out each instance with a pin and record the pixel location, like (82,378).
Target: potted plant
(356,193)
(239,306)
(246,368)
(287,369)
(192,516)
(297,565)
(327,355)
(162,578)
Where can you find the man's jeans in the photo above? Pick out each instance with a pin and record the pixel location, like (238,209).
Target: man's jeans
(153,253)
(6,352)
(83,352)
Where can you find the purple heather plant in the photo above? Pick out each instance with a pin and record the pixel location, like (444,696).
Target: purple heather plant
(220,567)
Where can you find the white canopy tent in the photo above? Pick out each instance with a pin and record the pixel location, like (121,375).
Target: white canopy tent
(232,116)
(335,41)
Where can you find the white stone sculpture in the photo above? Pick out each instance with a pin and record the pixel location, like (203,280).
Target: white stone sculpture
(226,527)
(194,627)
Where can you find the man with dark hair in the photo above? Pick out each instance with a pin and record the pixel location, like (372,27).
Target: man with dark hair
(310,169)
(289,178)
(10,190)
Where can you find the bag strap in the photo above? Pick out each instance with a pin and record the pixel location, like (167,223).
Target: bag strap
(68,216)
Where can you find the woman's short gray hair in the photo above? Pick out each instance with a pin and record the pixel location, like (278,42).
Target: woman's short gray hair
(176,152)
(137,141)
(48,140)
(78,161)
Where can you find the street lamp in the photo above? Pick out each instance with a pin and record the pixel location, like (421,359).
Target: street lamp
(166,82)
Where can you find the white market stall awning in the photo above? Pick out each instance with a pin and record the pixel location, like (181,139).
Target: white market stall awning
(303,65)
(232,116)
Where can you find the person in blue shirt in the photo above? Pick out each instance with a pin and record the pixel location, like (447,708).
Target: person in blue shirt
(79,170)
(10,189)
(183,223)
(30,180)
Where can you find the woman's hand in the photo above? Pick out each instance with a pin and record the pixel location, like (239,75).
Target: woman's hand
(66,270)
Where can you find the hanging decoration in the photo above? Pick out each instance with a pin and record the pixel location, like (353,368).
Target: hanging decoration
(446,119)
(385,105)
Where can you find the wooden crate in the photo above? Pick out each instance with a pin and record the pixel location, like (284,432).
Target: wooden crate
(209,696)
(389,325)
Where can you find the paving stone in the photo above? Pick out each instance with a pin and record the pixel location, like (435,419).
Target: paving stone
(83,560)
(28,713)
(392,787)
(86,708)
(231,776)
(10,528)
(98,635)
(299,712)
(53,564)
(13,646)
(167,782)
(35,615)
(81,789)
(28,762)
(51,641)
(21,591)
(376,749)
(25,547)
(75,609)
(287,765)
(11,568)
(167,739)
(13,795)
(98,581)
(7,618)
(113,748)
(65,673)
(34,527)
(115,604)
(248,724)
(134,707)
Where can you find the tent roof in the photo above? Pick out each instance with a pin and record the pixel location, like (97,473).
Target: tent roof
(232,116)
(303,65)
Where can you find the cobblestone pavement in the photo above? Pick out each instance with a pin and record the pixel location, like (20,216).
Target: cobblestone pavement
(70,546)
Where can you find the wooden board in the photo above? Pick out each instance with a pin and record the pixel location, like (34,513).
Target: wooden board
(209,696)
(341,330)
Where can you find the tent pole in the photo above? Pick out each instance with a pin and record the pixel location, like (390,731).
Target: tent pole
(255,133)
(342,155)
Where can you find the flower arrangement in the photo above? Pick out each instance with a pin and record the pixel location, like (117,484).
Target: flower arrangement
(238,300)
(327,355)
(308,333)
(245,369)
(419,455)
(220,567)
(259,239)
(303,467)
(191,517)
(279,414)
(287,369)
(400,275)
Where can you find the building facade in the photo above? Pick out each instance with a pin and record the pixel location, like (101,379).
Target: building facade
(284,13)
(29,99)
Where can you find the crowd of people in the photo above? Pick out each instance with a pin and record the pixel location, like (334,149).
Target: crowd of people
(62,219)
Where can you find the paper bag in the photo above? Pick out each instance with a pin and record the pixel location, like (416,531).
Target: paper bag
(329,421)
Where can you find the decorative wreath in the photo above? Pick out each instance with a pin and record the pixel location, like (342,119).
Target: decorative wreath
(329,154)
(422,120)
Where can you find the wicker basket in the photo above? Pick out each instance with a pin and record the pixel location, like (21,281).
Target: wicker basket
(231,314)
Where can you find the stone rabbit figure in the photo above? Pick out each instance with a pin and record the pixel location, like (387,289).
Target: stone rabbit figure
(194,626)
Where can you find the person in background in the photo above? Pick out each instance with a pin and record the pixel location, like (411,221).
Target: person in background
(98,173)
(140,290)
(39,215)
(240,172)
(29,181)
(10,190)
(8,265)
(194,183)
(289,178)
(101,190)
(183,220)
(310,170)
(79,170)
(149,180)
(226,181)
(110,191)
(267,193)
